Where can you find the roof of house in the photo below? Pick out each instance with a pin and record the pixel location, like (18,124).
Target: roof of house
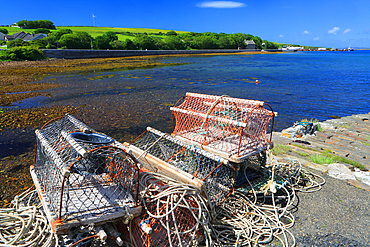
(25,36)
(30,37)
(249,42)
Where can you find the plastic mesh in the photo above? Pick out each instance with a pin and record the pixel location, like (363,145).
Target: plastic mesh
(79,176)
(217,174)
(235,127)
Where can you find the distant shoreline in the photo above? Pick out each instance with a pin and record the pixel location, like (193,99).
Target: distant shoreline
(79,53)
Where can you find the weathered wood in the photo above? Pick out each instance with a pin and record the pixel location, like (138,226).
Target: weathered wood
(231,157)
(157,165)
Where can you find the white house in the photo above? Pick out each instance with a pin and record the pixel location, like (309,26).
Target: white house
(2,36)
(250,44)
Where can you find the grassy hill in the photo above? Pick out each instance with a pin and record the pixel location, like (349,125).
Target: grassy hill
(97,31)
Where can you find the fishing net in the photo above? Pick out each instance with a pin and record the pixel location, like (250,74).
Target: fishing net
(231,127)
(216,174)
(80,178)
(174,214)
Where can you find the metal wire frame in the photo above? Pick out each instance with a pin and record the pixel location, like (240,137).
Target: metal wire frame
(217,174)
(236,127)
(80,180)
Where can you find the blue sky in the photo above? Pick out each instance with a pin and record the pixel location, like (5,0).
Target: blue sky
(327,23)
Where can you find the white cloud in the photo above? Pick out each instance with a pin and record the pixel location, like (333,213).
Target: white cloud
(346,31)
(281,36)
(306,32)
(334,30)
(221,4)
(317,38)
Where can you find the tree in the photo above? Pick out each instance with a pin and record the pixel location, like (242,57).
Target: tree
(101,42)
(270,45)
(258,41)
(3,30)
(204,42)
(42,30)
(39,43)
(25,53)
(78,40)
(123,45)
(144,41)
(171,33)
(173,43)
(111,36)
(55,36)
(239,39)
(36,24)
(225,43)
(105,41)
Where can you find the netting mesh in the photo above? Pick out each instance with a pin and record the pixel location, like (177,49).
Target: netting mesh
(232,126)
(174,214)
(217,174)
(79,176)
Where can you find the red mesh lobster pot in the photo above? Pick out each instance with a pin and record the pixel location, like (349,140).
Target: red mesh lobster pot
(232,128)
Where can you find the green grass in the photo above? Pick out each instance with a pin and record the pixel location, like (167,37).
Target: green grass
(303,147)
(98,31)
(280,149)
(301,153)
(318,127)
(321,159)
(328,157)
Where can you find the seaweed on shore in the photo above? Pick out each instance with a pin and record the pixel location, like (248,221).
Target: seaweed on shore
(22,76)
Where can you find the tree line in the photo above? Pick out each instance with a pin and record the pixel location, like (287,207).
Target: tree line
(36,24)
(68,39)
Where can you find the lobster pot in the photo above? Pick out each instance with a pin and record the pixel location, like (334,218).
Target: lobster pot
(229,127)
(81,177)
(174,214)
(216,175)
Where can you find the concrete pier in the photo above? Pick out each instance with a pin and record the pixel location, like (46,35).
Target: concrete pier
(347,137)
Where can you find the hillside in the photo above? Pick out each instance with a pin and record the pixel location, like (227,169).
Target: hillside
(97,31)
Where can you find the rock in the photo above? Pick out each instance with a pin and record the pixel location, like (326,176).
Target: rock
(359,184)
(340,171)
(362,176)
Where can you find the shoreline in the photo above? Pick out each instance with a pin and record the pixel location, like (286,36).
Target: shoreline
(83,53)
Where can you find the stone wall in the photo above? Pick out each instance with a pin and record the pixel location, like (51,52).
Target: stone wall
(74,53)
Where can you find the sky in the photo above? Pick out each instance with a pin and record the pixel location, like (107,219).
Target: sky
(324,23)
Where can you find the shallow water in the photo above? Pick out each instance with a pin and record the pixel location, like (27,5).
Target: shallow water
(297,85)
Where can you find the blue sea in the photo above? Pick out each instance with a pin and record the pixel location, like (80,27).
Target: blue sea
(297,85)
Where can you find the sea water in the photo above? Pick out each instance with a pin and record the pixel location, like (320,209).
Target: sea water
(297,85)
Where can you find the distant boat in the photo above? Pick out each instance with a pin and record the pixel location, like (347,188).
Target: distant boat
(350,49)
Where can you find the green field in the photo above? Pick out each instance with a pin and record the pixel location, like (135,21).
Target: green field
(98,31)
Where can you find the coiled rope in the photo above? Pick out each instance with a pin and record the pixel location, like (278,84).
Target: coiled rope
(25,224)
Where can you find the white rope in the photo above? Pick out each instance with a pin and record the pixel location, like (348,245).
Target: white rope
(25,224)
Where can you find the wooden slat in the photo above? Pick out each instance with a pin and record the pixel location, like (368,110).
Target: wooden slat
(157,165)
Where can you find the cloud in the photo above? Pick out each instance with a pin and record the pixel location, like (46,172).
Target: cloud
(281,36)
(317,38)
(334,30)
(346,31)
(306,32)
(221,4)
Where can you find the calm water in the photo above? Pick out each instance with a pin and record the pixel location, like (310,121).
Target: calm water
(297,85)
